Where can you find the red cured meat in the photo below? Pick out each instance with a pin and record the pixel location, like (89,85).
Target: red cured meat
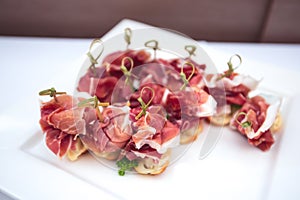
(60,123)
(264,142)
(256,110)
(105,88)
(108,136)
(152,132)
(145,150)
(177,64)
(102,88)
(185,103)
(114,61)
(139,57)
(102,81)
(236,98)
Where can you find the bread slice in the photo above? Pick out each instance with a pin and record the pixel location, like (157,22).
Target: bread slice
(108,155)
(220,120)
(277,124)
(148,166)
(191,135)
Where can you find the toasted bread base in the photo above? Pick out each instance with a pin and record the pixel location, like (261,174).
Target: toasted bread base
(277,124)
(221,120)
(108,155)
(147,166)
(191,135)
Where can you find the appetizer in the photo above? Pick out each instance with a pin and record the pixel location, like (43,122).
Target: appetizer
(106,128)
(154,105)
(61,123)
(233,86)
(258,120)
(101,80)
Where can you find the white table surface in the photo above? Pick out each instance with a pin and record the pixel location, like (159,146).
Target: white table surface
(28,65)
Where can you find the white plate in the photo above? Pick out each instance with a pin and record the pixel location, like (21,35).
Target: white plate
(233,170)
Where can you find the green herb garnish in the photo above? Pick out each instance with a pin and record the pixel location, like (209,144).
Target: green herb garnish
(125,165)
(234,108)
(168,116)
(245,124)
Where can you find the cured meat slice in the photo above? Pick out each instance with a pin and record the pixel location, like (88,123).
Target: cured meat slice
(235,88)
(194,102)
(139,58)
(153,136)
(108,136)
(254,121)
(61,122)
(101,87)
(153,129)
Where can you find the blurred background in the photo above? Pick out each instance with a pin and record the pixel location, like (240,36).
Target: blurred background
(276,21)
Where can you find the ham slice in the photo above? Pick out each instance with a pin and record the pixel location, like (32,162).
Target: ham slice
(102,81)
(66,121)
(58,142)
(61,122)
(132,153)
(154,73)
(110,135)
(154,130)
(231,90)
(193,102)
(101,87)
(261,117)
(173,69)
(139,57)
(187,69)
(154,135)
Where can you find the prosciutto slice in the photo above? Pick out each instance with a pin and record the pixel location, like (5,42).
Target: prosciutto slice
(260,116)
(113,61)
(139,57)
(153,135)
(177,64)
(154,73)
(235,88)
(153,129)
(108,136)
(102,80)
(188,123)
(131,152)
(193,102)
(101,87)
(61,122)
(173,69)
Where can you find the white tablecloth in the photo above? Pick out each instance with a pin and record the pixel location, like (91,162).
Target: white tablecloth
(28,65)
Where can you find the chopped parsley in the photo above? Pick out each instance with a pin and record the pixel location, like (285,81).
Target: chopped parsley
(124,164)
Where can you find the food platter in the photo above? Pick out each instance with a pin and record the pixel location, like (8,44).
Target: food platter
(230,167)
